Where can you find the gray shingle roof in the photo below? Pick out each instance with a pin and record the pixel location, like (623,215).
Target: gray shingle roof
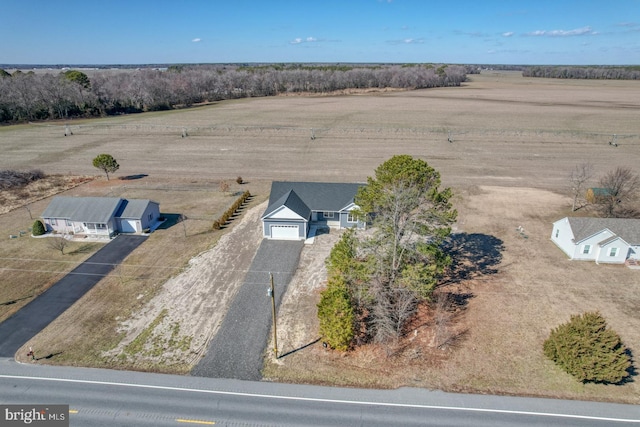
(84,209)
(317,196)
(133,209)
(626,228)
(291,200)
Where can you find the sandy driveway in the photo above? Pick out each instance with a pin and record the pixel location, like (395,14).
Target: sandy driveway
(194,303)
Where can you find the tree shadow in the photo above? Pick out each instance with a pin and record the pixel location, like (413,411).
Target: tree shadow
(83,249)
(472,255)
(49,356)
(299,348)
(132,177)
(171,219)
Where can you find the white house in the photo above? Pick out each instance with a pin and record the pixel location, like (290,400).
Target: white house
(100,216)
(603,240)
(296,206)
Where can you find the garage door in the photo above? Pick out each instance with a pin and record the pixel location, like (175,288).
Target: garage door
(284,232)
(128,226)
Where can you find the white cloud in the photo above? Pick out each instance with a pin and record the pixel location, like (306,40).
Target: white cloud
(507,34)
(196,40)
(299,40)
(584,31)
(407,41)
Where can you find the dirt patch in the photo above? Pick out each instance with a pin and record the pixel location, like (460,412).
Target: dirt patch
(190,307)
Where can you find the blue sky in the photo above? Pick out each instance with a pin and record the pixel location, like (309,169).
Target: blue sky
(418,31)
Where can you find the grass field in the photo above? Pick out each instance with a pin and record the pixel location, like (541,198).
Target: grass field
(515,140)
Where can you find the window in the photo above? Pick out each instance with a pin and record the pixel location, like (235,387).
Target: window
(150,217)
(557,232)
(351,218)
(586,249)
(101,226)
(613,251)
(53,221)
(69,223)
(327,214)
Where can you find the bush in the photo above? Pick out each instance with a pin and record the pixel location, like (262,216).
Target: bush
(217,224)
(335,313)
(239,180)
(38,228)
(585,348)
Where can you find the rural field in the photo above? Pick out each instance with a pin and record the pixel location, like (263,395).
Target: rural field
(514,142)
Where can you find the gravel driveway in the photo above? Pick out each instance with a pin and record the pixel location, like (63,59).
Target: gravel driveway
(237,349)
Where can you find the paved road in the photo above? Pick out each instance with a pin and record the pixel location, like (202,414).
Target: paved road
(237,349)
(99,397)
(33,317)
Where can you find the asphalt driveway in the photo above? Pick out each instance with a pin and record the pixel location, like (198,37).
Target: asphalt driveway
(35,316)
(237,349)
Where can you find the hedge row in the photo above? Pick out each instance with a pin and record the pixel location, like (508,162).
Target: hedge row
(218,223)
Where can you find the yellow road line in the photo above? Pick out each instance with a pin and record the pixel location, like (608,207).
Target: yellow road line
(182,420)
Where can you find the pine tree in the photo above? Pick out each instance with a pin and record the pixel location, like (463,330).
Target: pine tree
(335,313)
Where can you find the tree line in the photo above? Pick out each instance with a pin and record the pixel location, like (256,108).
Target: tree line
(32,96)
(591,72)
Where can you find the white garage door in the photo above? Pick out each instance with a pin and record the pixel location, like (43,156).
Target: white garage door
(129,226)
(284,232)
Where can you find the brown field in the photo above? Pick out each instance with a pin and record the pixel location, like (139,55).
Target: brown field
(514,142)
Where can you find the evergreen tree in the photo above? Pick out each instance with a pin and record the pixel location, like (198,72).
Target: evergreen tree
(585,348)
(336,315)
(38,228)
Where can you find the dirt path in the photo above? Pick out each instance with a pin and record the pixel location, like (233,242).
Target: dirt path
(193,303)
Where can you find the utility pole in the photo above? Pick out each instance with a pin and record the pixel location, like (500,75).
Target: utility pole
(271,293)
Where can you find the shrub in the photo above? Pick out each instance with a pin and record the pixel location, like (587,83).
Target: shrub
(38,228)
(217,225)
(585,348)
(335,313)
(239,180)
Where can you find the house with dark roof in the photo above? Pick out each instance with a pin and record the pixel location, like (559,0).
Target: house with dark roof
(297,207)
(100,216)
(603,240)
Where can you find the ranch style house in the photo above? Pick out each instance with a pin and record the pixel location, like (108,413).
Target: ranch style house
(100,216)
(296,208)
(603,240)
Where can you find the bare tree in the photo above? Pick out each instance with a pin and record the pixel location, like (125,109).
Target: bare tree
(620,188)
(580,175)
(59,243)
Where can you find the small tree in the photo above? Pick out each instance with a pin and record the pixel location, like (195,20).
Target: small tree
(59,243)
(336,315)
(620,187)
(239,180)
(585,348)
(580,174)
(106,163)
(38,228)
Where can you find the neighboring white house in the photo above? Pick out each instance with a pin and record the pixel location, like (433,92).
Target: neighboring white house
(100,216)
(295,206)
(603,240)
